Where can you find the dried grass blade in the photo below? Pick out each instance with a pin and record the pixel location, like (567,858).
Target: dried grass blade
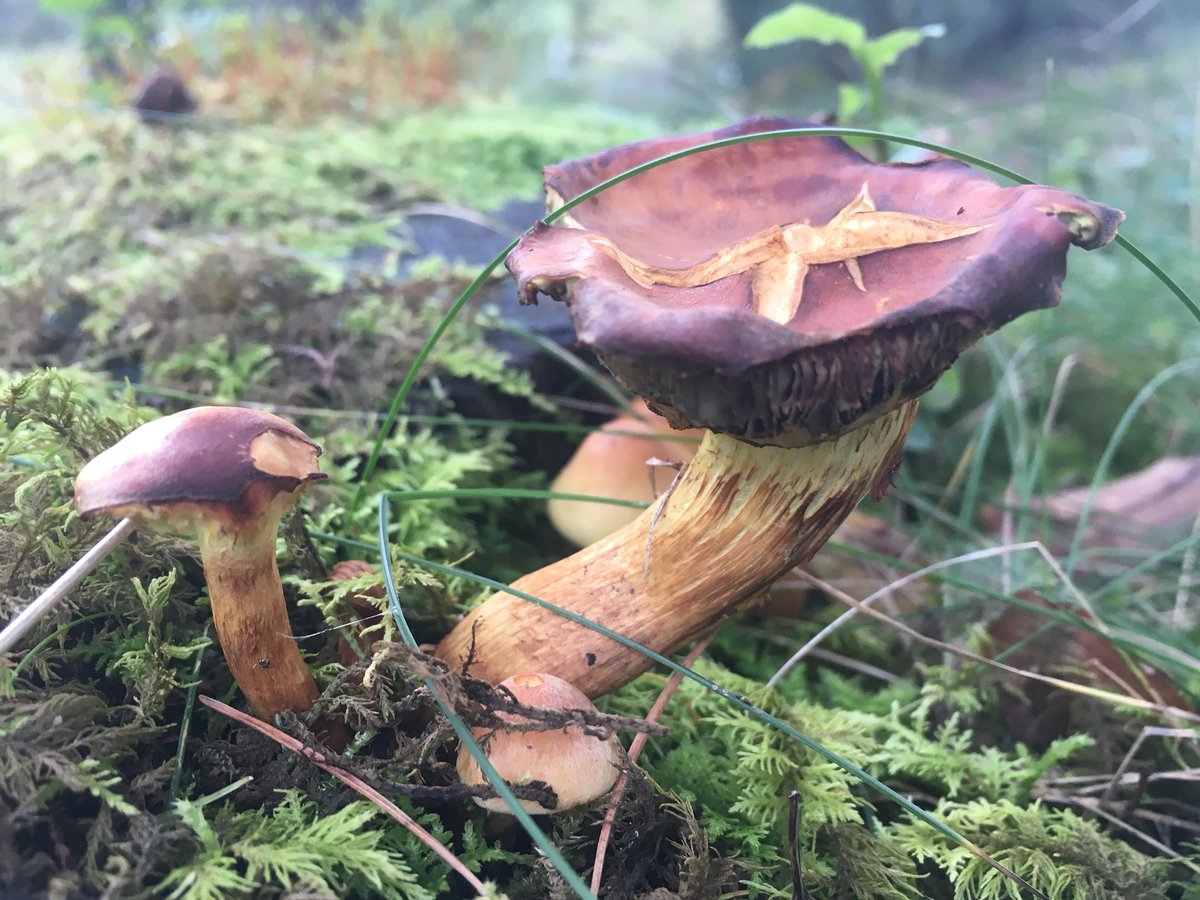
(354,783)
(1074,687)
(635,750)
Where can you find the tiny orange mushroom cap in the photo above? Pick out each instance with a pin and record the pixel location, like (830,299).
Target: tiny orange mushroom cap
(226,475)
(614,462)
(579,768)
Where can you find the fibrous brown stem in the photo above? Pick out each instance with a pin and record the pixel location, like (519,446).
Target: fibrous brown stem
(252,621)
(738,517)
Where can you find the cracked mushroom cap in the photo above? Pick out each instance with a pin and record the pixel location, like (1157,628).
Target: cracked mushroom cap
(211,463)
(788,290)
(577,767)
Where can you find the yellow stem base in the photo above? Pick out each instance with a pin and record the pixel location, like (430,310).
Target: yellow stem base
(252,624)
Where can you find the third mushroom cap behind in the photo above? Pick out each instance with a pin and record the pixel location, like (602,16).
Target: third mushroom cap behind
(794,299)
(632,457)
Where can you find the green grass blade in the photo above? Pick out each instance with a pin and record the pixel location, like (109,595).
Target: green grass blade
(600,380)
(509,493)
(455,308)
(1123,425)
(972,486)
(971,159)
(1164,656)
(185,722)
(389,420)
(315,412)
(1144,566)
(1157,271)
(464,733)
(736,699)
(52,637)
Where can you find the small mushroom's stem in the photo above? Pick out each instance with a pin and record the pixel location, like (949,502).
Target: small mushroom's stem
(251,618)
(738,517)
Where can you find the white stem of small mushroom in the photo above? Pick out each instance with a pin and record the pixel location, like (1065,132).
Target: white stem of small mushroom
(67,582)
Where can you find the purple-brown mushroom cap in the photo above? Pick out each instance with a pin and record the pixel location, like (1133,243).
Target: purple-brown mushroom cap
(858,345)
(224,463)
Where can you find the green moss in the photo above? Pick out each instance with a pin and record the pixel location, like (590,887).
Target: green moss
(226,263)
(848,851)
(487,156)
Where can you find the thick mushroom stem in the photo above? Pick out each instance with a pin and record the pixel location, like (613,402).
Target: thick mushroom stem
(738,517)
(251,617)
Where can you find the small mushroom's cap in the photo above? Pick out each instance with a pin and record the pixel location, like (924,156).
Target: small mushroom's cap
(791,284)
(579,768)
(226,464)
(613,462)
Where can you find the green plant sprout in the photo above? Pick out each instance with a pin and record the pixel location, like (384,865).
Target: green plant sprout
(804,22)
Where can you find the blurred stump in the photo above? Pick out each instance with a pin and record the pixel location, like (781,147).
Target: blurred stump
(163,95)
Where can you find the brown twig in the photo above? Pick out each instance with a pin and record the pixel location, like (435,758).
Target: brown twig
(351,781)
(1147,731)
(635,750)
(484,706)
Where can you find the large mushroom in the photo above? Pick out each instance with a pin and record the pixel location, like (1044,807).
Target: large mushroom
(226,475)
(794,299)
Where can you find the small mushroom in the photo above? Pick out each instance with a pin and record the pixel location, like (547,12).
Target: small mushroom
(579,768)
(226,475)
(794,299)
(163,95)
(615,462)
(360,614)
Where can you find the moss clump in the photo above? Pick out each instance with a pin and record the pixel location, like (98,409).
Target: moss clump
(854,845)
